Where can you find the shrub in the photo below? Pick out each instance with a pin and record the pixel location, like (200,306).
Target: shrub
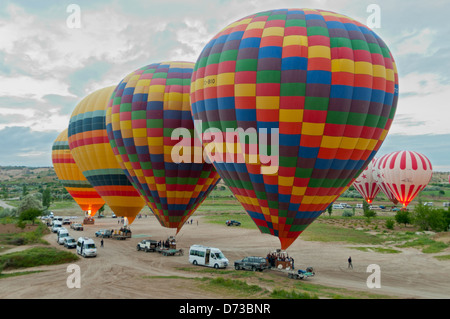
(347,213)
(428,218)
(390,224)
(403,217)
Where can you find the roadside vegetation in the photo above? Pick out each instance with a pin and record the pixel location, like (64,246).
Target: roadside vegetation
(33,257)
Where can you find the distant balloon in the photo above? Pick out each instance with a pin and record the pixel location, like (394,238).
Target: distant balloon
(94,156)
(300,100)
(72,178)
(366,185)
(146,108)
(406,173)
(380,181)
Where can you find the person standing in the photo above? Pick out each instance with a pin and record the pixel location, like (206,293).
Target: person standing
(350,265)
(101,243)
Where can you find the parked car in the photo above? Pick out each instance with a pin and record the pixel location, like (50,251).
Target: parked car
(338,206)
(69,242)
(251,263)
(232,223)
(359,205)
(77,227)
(395,209)
(66,221)
(147,245)
(103,233)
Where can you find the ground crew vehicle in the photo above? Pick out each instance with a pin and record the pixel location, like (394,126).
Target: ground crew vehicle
(207,256)
(147,245)
(86,247)
(62,234)
(251,263)
(69,242)
(103,233)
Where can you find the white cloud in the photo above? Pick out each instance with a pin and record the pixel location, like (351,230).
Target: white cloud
(416,42)
(33,88)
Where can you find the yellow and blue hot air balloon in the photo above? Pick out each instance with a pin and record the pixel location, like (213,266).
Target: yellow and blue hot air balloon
(72,178)
(93,154)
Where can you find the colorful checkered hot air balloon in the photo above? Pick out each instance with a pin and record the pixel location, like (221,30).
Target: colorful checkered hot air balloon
(72,178)
(147,106)
(89,145)
(366,185)
(405,173)
(322,85)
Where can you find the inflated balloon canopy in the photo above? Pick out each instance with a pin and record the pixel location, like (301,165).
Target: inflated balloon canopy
(89,145)
(324,83)
(145,109)
(72,178)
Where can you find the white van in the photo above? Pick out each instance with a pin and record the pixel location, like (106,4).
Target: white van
(207,256)
(56,225)
(86,247)
(338,206)
(62,234)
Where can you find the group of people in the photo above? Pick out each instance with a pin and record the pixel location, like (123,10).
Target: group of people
(275,257)
(167,243)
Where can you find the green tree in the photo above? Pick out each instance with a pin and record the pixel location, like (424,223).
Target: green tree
(30,214)
(46,198)
(28,202)
(24,190)
(428,218)
(403,217)
(367,211)
(330,209)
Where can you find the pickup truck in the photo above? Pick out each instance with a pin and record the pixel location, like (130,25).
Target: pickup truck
(103,233)
(251,263)
(147,245)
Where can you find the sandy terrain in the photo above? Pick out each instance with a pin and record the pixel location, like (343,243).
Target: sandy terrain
(119,270)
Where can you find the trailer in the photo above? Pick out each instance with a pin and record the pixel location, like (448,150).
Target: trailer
(301,274)
(170,251)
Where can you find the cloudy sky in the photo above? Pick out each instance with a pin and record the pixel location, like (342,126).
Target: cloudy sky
(48,62)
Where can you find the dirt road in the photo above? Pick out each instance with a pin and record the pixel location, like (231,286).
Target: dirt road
(119,271)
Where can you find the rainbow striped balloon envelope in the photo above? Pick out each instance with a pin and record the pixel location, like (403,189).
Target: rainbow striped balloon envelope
(72,178)
(314,91)
(89,144)
(145,110)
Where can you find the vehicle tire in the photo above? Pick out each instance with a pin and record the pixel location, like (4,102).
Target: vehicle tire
(194,262)
(237,267)
(216,266)
(146,250)
(138,248)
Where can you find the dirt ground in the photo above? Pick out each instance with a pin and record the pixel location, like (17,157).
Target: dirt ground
(119,270)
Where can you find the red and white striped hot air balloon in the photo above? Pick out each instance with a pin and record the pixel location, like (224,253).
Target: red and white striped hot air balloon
(366,185)
(406,173)
(376,173)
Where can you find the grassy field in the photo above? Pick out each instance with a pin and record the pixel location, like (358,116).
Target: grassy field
(36,256)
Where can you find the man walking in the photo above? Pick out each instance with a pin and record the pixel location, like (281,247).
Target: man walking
(350,262)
